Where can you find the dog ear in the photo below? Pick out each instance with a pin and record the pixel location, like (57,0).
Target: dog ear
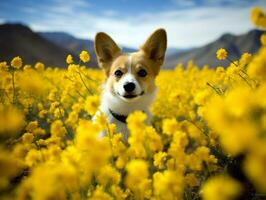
(106,50)
(155,46)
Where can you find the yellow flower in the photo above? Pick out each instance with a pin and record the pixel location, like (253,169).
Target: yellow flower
(91,104)
(108,175)
(101,120)
(221,54)
(258,17)
(201,97)
(254,166)
(137,171)
(27,137)
(100,194)
(136,123)
(263,39)
(191,180)
(256,68)
(69,59)
(27,67)
(245,59)
(33,157)
(84,56)
(39,66)
(58,129)
(72,68)
(10,167)
(11,120)
(32,126)
(168,184)
(16,62)
(3,66)
(169,126)
(42,113)
(220,188)
(159,159)
(39,131)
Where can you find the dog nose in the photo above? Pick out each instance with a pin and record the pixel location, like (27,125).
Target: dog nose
(129,87)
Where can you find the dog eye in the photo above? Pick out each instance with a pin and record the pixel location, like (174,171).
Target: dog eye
(118,73)
(142,73)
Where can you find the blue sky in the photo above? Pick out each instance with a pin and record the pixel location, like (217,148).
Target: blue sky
(189,23)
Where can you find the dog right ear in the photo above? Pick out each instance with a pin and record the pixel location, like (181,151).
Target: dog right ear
(106,50)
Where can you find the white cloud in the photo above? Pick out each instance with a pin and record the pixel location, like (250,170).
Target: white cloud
(185,28)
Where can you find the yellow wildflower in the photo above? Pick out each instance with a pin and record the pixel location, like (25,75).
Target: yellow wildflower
(245,59)
(108,175)
(258,17)
(39,66)
(69,59)
(16,62)
(191,180)
(3,66)
(137,171)
(58,129)
(221,54)
(27,67)
(220,188)
(99,193)
(10,167)
(159,159)
(91,104)
(168,185)
(84,56)
(27,137)
(254,166)
(32,126)
(169,126)
(11,121)
(72,68)
(263,39)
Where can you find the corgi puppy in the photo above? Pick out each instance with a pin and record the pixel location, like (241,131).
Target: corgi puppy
(130,77)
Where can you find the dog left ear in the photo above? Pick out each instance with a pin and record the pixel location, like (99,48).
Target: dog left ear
(106,50)
(155,46)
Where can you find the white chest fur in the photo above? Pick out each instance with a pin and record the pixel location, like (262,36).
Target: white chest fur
(117,105)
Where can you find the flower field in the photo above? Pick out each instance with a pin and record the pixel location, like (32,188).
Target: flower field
(207,138)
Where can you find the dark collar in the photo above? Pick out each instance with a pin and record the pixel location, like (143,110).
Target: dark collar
(121,118)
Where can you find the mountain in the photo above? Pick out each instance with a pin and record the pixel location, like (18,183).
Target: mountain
(19,40)
(172,51)
(74,44)
(52,48)
(234,44)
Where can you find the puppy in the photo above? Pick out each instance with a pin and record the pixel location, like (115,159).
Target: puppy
(130,78)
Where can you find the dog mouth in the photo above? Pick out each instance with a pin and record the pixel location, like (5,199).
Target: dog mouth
(131,96)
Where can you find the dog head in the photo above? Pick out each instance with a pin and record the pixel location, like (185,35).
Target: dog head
(131,77)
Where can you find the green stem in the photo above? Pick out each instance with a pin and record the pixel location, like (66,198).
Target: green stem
(245,80)
(231,61)
(217,91)
(84,83)
(13,85)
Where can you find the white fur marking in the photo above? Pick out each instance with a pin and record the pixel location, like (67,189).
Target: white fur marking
(129,64)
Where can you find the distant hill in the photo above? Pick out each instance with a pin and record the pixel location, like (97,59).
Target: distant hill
(74,44)
(52,48)
(235,45)
(18,39)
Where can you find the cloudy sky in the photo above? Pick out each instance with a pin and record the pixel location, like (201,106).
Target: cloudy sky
(189,23)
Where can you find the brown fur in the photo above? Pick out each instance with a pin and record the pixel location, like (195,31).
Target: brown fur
(150,55)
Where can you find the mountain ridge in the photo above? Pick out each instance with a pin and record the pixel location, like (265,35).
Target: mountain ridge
(206,54)
(20,40)
(51,48)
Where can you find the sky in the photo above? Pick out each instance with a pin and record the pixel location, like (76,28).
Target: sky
(189,23)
